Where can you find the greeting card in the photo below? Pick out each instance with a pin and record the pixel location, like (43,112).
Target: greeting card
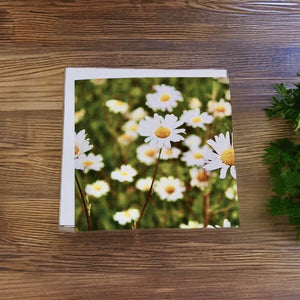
(148,149)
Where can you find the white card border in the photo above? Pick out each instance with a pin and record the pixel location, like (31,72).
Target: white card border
(67,203)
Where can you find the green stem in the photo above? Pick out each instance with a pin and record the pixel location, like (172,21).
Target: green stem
(211,133)
(210,130)
(78,221)
(149,193)
(225,209)
(84,204)
(191,209)
(175,167)
(115,138)
(206,210)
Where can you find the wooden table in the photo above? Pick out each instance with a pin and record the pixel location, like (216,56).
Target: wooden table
(257,42)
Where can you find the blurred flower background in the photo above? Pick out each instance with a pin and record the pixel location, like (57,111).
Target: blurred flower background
(129,130)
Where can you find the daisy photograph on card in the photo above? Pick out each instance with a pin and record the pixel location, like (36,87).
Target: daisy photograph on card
(154,152)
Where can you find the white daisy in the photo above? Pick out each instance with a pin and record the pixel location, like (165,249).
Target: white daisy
(170,153)
(81,143)
(195,119)
(89,162)
(137,114)
(194,103)
(130,126)
(117,106)
(97,189)
(147,154)
(127,137)
(219,109)
(200,178)
(165,98)
(222,158)
(161,131)
(125,173)
(192,141)
(79,115)
(191,224)
(226,224)
(227,95)
(195,156)
(231,192)
(127,216)
(169,188)
(144,184)
(211,227)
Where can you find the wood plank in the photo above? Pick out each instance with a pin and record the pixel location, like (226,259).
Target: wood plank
(159,285)
(256,41)
(25,86)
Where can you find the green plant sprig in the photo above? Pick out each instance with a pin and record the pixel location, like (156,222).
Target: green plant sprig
(283,158)
(286,104)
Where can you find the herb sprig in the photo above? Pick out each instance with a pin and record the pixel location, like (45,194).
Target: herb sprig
(286,104)
(283,157)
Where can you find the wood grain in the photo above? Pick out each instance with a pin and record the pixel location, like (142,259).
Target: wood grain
(256,41)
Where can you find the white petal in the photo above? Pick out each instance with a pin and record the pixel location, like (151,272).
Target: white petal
(223,171)
(213,165)
(209,154)
(181,130)
(167,144)
(78,164)
(226,223)
(215,145)
(233,172)
(148,139)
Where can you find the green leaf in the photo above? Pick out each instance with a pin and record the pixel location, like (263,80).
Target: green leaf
(286,104)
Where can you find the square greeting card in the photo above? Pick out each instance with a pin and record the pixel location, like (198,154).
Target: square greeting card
(148,149)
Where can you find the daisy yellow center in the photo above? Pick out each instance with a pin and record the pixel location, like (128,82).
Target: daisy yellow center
(195,102)
(170,189)
(162,132)
(165,97)
(88,163)
(150,152)
(133,128)
(126,137)
(202,176)
(198,155)
(76,150)
(79,115)
(193,225)
(220,108)
(119,103)
(168,152)
(146,187)
(139,116)
(227,157)
(97,187)
(124,173)
(196,120)
(127,214)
